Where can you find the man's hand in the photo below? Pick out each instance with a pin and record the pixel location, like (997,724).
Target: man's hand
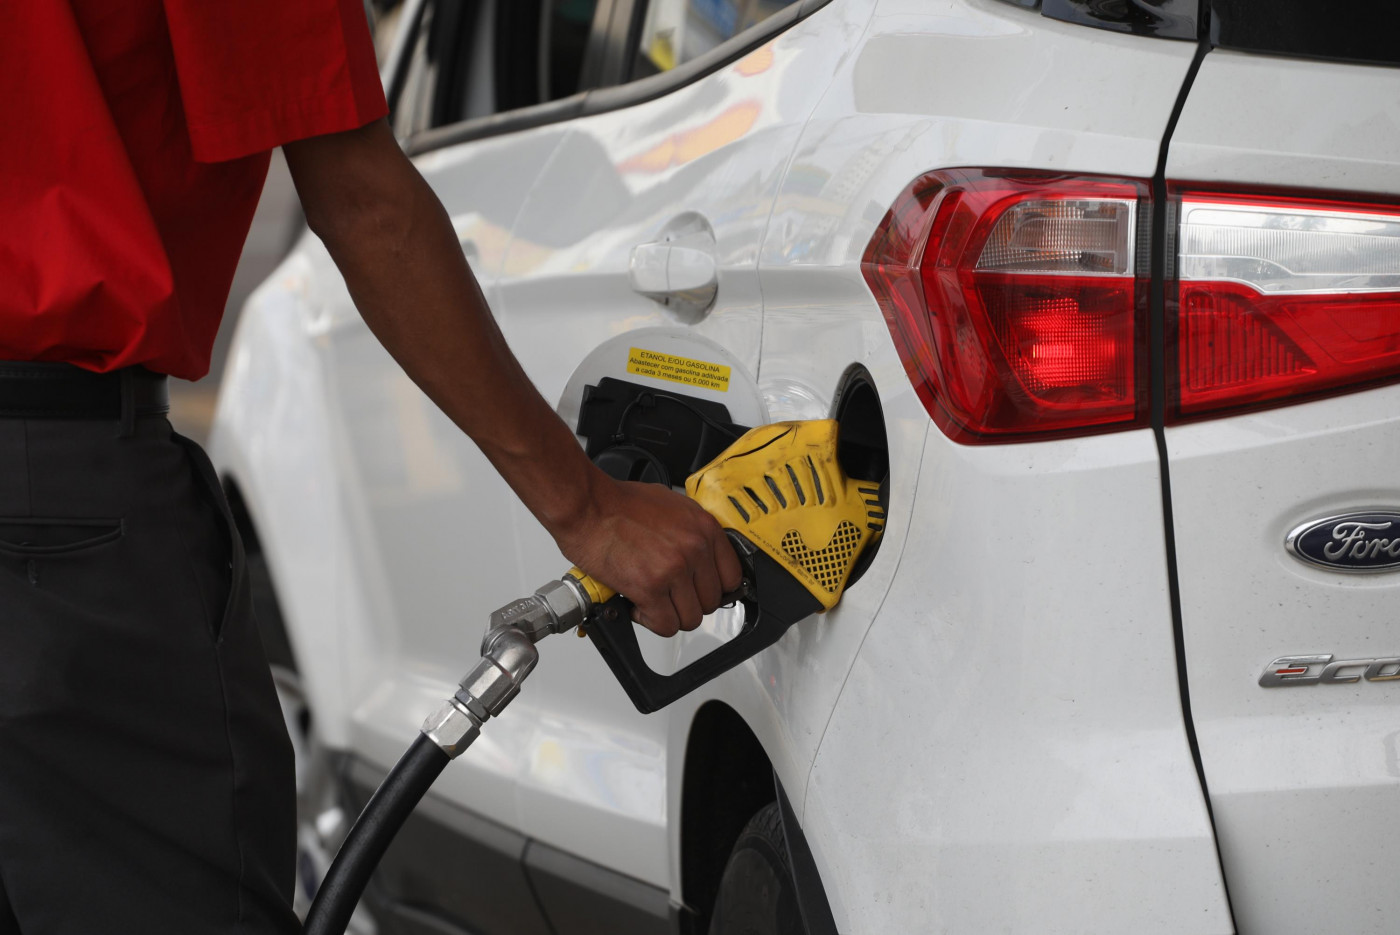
(395,246)
(660,549)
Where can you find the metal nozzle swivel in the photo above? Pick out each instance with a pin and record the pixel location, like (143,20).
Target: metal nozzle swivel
(508,655)
(553,608)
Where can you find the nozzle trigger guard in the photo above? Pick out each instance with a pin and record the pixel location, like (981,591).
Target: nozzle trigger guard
(773,601)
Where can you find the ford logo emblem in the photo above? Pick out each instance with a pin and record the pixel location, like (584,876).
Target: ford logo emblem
(1360,542)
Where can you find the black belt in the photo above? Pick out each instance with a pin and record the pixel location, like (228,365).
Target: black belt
(62,391)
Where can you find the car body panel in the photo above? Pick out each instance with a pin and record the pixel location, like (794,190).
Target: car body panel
(1265,120)
(438,532)
(708,158)
(1013,725)
(1304,780)
(272,436)
(412,494)
(986,652)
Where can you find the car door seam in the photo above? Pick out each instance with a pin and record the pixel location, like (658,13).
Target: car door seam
(1157,415)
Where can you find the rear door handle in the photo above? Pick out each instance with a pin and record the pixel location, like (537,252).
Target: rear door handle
(683,278)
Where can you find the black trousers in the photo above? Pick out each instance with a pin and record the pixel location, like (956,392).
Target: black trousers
(146,778)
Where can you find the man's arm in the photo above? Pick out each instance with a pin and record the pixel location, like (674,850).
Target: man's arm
(396,248)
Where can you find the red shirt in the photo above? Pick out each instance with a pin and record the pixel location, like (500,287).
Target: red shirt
(135,143)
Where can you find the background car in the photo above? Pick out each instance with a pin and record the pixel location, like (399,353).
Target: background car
(1106,296)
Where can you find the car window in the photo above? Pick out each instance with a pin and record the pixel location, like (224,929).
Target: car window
(676,31)
(1363,33)
(413,100)
(474,58)
(563,42)
(465,60)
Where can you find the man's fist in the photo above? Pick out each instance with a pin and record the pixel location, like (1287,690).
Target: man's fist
(662,551)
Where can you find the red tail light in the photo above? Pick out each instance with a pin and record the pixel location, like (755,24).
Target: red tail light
(1015,301)
(1281,298)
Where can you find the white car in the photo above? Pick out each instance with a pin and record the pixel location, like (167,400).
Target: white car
(1107,293)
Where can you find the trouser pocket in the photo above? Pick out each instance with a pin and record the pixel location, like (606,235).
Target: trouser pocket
(29,535)
(222,554)
(34,543)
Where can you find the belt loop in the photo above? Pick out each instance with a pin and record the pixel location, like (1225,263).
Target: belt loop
(128,376)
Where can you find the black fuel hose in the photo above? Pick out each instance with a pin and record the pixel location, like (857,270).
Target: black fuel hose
(386,812)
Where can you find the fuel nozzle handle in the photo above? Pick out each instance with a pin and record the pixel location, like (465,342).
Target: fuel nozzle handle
(609,625)
(800,526)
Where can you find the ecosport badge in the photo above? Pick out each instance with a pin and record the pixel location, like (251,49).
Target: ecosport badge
(1356,542)
(1317,670)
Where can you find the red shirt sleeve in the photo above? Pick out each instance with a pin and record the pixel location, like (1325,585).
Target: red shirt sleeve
(255,74)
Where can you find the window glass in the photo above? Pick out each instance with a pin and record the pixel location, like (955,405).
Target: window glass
(563,42)
(385,17)
(1341,32)
(449,74)
(676,31)
(414,102)
(469,59)
(475,58)
(469,88)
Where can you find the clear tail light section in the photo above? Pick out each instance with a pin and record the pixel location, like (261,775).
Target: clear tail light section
(1017,301)
(1280,298)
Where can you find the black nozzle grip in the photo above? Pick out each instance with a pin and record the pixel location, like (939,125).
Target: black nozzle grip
(775,601)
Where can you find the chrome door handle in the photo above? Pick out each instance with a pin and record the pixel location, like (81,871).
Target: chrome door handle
(683,278)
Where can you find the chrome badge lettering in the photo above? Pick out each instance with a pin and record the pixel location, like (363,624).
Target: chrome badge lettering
(1313,670)
(1352,542)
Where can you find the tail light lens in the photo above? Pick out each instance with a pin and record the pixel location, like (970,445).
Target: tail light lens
(1016,302)
(1280,298)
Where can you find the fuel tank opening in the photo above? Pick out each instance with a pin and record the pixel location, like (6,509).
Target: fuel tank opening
(862,448)
(635,432)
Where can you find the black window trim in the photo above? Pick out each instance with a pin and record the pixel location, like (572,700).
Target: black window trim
(603,99)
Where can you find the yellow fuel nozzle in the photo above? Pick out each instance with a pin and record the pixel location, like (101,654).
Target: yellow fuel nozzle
(799,525)
(782,487)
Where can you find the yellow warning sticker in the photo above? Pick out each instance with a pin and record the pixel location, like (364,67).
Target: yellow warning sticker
(661,366)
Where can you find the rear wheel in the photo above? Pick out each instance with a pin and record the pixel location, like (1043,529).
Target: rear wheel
(757,895)
(321,823)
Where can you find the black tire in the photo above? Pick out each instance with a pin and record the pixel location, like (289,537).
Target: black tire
(321,823)
(757,894)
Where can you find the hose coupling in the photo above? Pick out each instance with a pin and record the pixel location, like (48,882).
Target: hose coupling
(508,655)
(452,727)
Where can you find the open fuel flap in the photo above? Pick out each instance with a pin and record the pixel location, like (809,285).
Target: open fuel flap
(803,502)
